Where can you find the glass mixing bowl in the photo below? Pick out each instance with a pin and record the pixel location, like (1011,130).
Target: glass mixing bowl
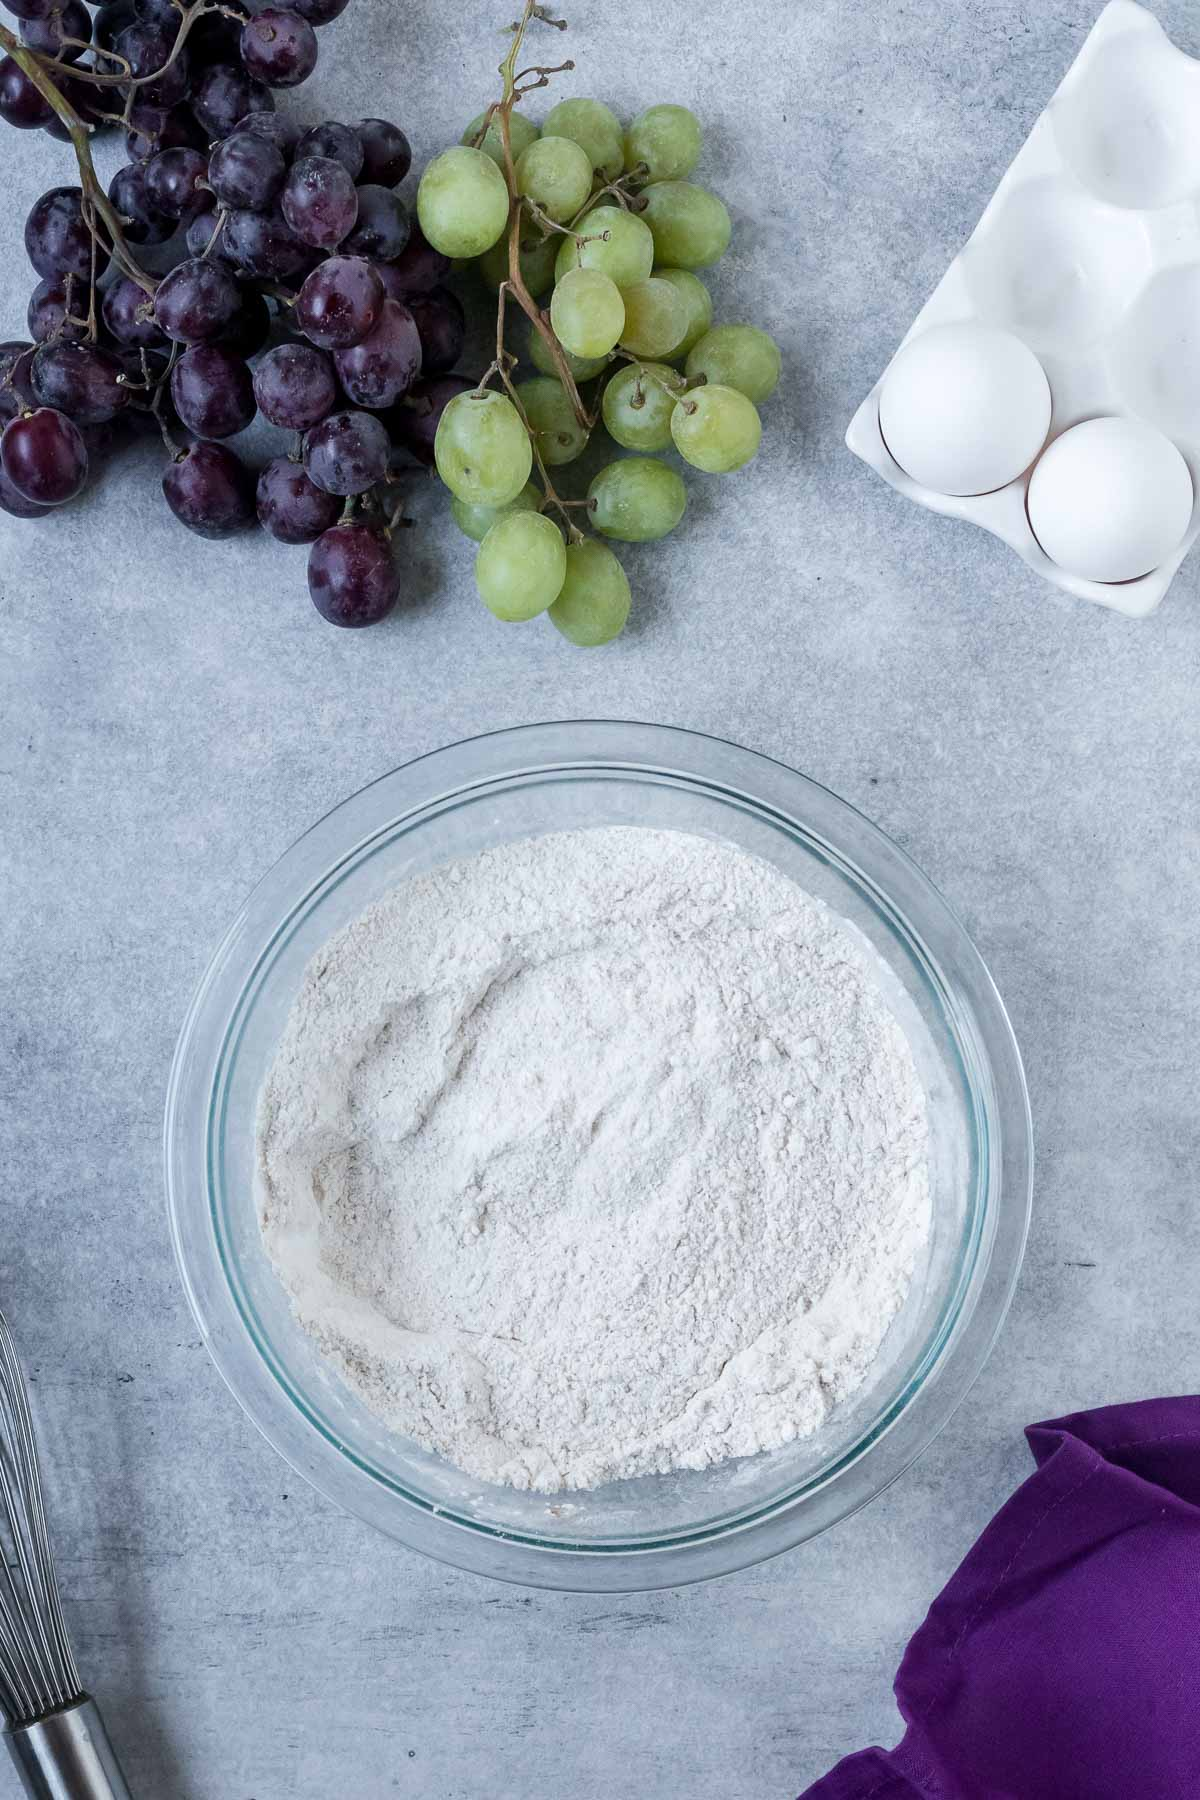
(658,1530)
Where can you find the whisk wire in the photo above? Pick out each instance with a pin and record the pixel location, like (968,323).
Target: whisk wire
(38,1674)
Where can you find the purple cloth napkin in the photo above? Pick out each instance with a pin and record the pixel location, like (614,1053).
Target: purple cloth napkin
(1062,1661)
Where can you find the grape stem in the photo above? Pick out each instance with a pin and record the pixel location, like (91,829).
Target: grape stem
(218,228)
(542,14)
(395,520)
(617,188)
(548,224)
(93,235)
(503,365)
(160,389)
(646,373)
(502,110)
(543,77)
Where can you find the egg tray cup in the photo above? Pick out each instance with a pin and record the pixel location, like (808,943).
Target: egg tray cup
(1089,252)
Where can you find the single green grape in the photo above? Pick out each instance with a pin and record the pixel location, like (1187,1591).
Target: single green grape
(482,449)
(638,403)
(737,356)
(654,318)
(697,302)
(559,436)
(556,173)
(587,312)
(535,256)
(462,202)
(716,429)
(593,604)
(666,139)
(521,133)
(594,127)
(476,521)
(583,368)
(621,246)
(637,500)
(689,225)
(521,566)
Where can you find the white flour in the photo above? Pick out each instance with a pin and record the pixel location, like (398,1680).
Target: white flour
(599,1153)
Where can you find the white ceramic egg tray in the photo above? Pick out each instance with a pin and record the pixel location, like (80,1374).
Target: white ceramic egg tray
(1089,251)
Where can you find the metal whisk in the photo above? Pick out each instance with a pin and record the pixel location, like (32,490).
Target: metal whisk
(54,1731)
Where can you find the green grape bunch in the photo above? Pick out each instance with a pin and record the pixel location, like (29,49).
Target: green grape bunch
(595,231)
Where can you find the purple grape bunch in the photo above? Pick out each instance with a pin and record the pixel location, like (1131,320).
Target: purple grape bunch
(288,284)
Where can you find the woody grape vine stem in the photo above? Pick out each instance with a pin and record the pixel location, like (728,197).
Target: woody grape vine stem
(94,195)
(516,84)
(516,280)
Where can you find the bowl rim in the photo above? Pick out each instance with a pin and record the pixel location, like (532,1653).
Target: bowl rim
(951,1361)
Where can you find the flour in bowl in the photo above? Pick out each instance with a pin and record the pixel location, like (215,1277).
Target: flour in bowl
(597,1154)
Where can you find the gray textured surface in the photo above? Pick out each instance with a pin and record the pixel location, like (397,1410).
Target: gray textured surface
(173,714)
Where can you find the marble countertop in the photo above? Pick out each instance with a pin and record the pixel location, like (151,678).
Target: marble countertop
(173,714)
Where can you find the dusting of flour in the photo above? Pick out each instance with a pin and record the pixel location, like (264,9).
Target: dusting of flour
(596,1154)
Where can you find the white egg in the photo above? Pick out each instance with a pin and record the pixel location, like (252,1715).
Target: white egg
(964,409)
(1110,500)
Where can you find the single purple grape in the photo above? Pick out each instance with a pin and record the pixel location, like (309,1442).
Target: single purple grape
(210,490)
(129,315)
(175,182)
(420,268)
(49,305)
(320,12)
(110,21)
(197,301)
(13,501)
(277,128)
(224,95)
(295,386)
(279,47)
(101,441)
(212,391)
(81,381)
(442,326)
(215,39)
(413,424)
(44,456)
(291,507)
(393,287)
(352,574)
(380,370)
(387,153)
(319,201)
(163,13)
(340,303)
(20,102)
(347,453)
(155,128)
(16,387)
(148,51)
(382,228)
(57,241)
(143,223)
(264,247)
(247,171)
(340,143)
(70,19)
(251,328)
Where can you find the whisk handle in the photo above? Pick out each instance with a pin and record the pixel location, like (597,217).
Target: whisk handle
(68,1757)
